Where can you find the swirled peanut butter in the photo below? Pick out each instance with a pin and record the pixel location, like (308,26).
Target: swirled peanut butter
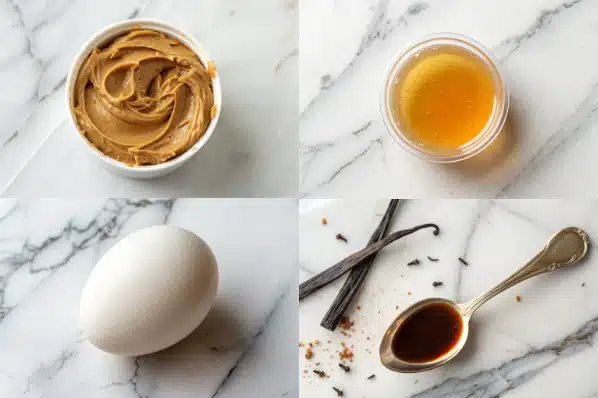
(143,99)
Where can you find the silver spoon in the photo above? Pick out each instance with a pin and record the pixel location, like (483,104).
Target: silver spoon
(564,248)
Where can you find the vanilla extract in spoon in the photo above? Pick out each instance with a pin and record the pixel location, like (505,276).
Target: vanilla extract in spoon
(428,334)
(433,331)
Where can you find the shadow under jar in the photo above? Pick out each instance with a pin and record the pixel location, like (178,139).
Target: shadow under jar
(444,99)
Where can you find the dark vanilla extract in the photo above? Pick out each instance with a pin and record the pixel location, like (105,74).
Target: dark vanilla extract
(428,334)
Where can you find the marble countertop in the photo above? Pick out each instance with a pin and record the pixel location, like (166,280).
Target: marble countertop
(541,346)
(245,347)
(546,50)
(253,152)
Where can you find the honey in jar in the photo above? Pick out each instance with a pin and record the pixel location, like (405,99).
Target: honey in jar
(443,97)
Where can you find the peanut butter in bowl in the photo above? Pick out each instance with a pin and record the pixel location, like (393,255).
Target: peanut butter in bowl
(144,98)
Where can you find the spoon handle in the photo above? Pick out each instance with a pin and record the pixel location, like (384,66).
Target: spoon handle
(564,248)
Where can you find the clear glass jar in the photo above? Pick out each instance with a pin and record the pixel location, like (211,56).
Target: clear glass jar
(483,138)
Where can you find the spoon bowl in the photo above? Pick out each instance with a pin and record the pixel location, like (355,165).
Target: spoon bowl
(395,363)
(564,248)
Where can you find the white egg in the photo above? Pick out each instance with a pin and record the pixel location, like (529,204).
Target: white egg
(149,291)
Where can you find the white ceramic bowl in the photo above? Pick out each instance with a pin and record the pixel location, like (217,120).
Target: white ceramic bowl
(102,38)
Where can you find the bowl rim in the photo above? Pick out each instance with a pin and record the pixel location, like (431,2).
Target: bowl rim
(110,32)
(495,122)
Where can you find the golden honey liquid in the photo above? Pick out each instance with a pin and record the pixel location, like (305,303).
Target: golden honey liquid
(444,98)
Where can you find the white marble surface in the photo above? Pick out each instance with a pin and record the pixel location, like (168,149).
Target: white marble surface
(253,152)
(246,347)
(546,49)
(542,346)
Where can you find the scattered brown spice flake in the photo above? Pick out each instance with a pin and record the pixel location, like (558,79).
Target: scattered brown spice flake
(463,261)
(309,353)
(338,392)
(311,345)
(433,259)
(214,111)
(346,353)
(367,338)
(211,69)
(370,377)
(358,307)
(344,367)
(409,293)
(320,373)
(316,342)
(396,307)
(414,262)
(301,344)
(437,283)
(583,284)
(329,341)
(304,370)
(518,298)
(317,363)
(341,237)
(324,221)
(346,323)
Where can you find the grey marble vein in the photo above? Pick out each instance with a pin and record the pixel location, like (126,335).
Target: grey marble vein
(131,382)
(12,211)
(250,344)
(134,380)
(285,59)
(371,146)
(107,224)
(47,371)
(522,216)
(308,271)
(313,151)
(570,130)
(43,63)
(27,32)
(42,89)
(135,13)
(511,374)
(508,46)
(9,135)
(480,212)
(378,28)
(52,11)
